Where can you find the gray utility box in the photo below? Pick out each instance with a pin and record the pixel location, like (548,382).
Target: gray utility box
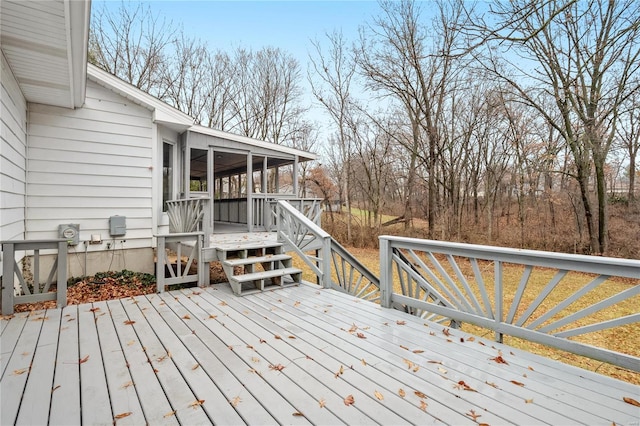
(117,226)
(70,232)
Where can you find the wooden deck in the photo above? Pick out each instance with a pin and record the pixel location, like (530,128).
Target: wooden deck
(298,355)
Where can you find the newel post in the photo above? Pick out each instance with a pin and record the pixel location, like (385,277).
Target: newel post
(386,276)
(326,262)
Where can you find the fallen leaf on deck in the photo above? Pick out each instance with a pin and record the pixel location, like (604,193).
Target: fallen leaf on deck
(471,339)
(349,400)
(94,309)
(322,403)
(291,337)
(19,372)
(55,389)
(129,322)
(340,372)
(378,395)
(423,405)
(528,401)
(263,341)
(353,328)
(83,360)
(126,385)
(278,337)
(186,317)
(431,333)
(169,414)
(196,403)
(363,362)
(517,383)
(498,359)
(255,359)
(361,336)
(401,322)
(404,347)
(446,332)
(298,414)
(473,415)
(463,385)
(442,370)
(434,362)
(531,368)
(277,367)
(213,316)
(122,415)
(402,393)
(631,401)
(223,303)
(195,367)
(492,385)
(420,394)
(418,351)
(295,305)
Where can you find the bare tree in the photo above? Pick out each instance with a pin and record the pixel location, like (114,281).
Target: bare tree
(335,72)
(629,134)
(130,43)
(584,54)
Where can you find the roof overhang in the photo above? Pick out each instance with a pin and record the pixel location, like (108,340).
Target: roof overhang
(45,44)
(250,142)
(162,113)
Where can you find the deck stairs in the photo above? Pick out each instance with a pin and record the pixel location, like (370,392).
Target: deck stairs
(257,266)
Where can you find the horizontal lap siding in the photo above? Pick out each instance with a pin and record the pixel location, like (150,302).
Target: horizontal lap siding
(88,164)
(12,157)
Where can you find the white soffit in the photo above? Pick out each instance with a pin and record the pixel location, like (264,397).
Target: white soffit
(45,44)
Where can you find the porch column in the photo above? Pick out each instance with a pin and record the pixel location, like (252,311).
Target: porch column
(186,157)
(250,191)
(263,184)
(295,176)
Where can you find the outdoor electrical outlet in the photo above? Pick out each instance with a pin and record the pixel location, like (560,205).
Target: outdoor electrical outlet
(108,246)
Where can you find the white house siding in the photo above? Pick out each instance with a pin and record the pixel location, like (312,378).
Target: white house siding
(88,164)
(13,149)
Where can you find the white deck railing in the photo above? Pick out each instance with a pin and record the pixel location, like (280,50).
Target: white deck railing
(265,209)
(35,290)
(334,266)
(529,299)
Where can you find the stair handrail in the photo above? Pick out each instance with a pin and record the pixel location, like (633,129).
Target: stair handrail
(298,230)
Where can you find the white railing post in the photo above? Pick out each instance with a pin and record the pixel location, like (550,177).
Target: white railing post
(8,254)
(386,273)
(160,263)
(61,281)
(326,262)
(498,298)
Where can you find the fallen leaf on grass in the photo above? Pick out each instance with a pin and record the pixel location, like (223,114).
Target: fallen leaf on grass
(631,401)
(122,415)
(517,383)
(349,400)
(378,395)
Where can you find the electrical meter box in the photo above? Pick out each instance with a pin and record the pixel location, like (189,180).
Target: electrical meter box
(117,226)
(70,232)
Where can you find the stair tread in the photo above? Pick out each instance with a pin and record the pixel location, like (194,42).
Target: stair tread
(256,259)
(249,245)
(265,274)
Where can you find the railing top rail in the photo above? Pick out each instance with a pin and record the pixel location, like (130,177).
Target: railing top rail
(47,241)
(311,226)
(627,268)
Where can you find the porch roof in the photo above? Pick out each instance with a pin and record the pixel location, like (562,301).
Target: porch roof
(300,355)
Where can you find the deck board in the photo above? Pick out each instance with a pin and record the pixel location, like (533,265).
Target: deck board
(204,356)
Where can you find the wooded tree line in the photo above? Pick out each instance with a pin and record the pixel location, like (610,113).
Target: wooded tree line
(451,114)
